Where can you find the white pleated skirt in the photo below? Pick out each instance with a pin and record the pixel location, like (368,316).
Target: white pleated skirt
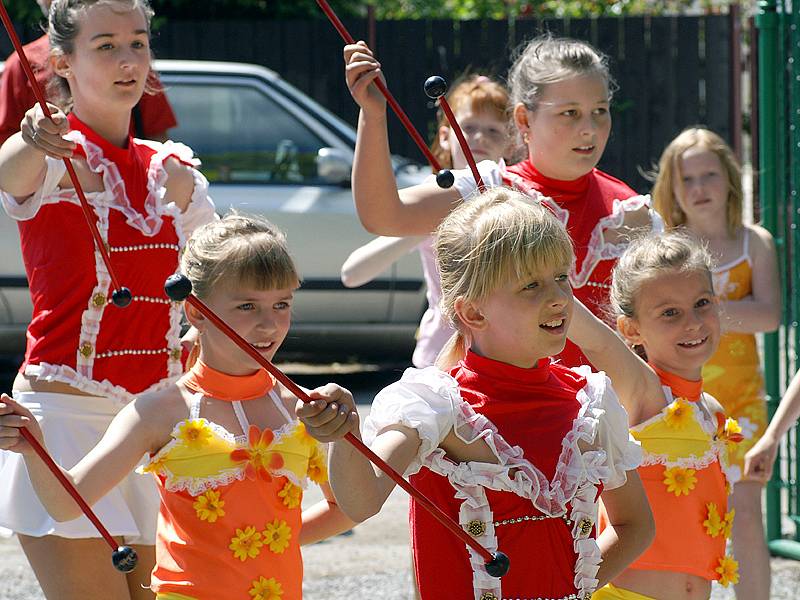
(72,426)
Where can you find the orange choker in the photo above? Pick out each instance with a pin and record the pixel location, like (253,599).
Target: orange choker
(222,386)
(681,388)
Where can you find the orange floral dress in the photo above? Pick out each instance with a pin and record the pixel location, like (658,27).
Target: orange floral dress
(733,375)
(230,513)
(685,477)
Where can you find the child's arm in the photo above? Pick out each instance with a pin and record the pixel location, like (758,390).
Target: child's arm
(414,211)
(761,311)
(130,435)
(631,528)
(22,156)
(635,383)
(370,260)
(360,487)
(324,519)
(758,462)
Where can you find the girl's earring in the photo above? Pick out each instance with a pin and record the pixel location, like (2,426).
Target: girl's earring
(525,137)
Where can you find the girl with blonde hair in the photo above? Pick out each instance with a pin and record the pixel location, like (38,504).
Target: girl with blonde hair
(699,187)
(226,451)
(513,446)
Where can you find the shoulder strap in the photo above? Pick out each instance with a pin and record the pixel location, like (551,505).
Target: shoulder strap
(746,250)
(194,406)
(276,399)
(241,416)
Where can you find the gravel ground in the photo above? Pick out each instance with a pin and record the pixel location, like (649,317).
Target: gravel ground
(373,562)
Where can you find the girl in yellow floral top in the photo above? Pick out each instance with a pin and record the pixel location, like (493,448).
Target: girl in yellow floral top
(663,295)
(228,453)
(699,187)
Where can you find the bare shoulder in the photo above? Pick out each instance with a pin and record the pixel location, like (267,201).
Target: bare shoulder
(712,404)
(288,399)
(760,238)
(163,408)
(180,182)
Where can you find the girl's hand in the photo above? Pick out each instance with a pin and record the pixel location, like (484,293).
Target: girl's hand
(45,134)
(331,415)
(759,460)
(13,417)
(361,69)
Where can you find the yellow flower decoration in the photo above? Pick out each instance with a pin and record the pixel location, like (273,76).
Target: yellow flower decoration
(302,435)
(277,535)
(209,507)
(317,468)
(266,589)
(291,494)
(728,525)
(728,570)
(195,433)
(679,414)
(246,544)
(714,524)
(679,480)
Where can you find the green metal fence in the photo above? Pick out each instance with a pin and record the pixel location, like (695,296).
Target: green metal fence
(778,24)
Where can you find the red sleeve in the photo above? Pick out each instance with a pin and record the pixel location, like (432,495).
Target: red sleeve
(157,115)
(15,97)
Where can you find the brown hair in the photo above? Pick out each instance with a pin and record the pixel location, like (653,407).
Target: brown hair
(482,95)
(64,19)
(669,172)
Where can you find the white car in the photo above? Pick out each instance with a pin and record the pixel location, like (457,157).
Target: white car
(269,149)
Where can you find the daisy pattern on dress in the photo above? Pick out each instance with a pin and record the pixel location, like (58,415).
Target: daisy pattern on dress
(266,589)
(728,570)
(246,544)
(209,507)
(679,480)
(277,535)
(195,433)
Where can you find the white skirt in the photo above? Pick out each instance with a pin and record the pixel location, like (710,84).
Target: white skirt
(72,426)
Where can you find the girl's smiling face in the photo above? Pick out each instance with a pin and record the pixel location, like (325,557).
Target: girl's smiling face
(524,320)
(569,128)
(676,321)
(261,317)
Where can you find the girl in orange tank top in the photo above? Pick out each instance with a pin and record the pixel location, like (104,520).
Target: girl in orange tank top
(663,295)
(228,453)
(699,187)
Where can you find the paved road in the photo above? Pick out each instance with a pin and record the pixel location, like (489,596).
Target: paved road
(372,562)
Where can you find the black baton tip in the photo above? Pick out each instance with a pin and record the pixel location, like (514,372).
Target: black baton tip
(121,297)
(445,178)
(124,559)
(435,87)
(498,566)
(178,287)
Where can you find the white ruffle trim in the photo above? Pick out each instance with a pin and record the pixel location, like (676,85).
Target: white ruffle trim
(66,374)
(200,210)
(195,486)
(428,400)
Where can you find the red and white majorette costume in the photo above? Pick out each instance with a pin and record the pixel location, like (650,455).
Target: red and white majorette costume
(77,336)
(588,207)
(560,436)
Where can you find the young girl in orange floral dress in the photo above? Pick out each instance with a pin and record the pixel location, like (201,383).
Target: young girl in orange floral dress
(228,454)
(663,295)
(699,186)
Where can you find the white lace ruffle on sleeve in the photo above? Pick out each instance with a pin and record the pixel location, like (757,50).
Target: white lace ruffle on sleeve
(28,209)
(424,400)
(491,174)
(623,452)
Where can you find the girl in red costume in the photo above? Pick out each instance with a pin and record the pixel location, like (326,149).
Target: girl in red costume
(514,447)
(560,101)
(85,357)
(228,455)
(664,298)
